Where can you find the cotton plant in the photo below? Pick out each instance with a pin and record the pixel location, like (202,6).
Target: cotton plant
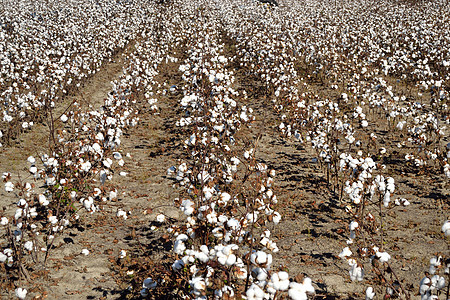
(84,151)
(57,64)
(230,219)
(437,278)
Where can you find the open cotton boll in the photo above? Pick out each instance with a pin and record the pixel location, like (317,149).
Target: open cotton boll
(121,213)
(187,206)
(298,291)
(31,160)
(356,273)
(280,281)
(254,292)
(122,254)
(43,200)
(85,252)
(387,199)
(28,245)
(446,228)
(370,293)
(160,218)
(198,284)
(9,186)
(383,256)
(21,293)
(86,166)
(346,252)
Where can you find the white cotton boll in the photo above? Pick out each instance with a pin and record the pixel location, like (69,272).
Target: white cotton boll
(22,203)
(85,252)
(28,245)
(4,221)
(276,217)
(122,254)
(201,256)
(440,284)
(353,225)
(364,123)
(99,136)
(107,162)
(88,203)
(390,184)
(424,285)
(383,256)
(53,219)
(187,207)
(356,273)
(280,281)
(199,285)
(21,293)
(43,200)
(307,284)
(31,160)
(346,252)
(233,224)
(387,199)
(231,260)
(121,213)
(64,118)
(297,291)
(446,228)
(224,198)
(370,293)
(9,186)
(254,292)
(18,213)
(160,218)
(86,166)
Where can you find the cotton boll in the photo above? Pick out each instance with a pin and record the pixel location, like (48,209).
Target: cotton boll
(21,293)
(383,256)
(9,186)
(43,200)
(85,252)
(356,273)
(179,247)
(254,292)
(370,293)
(160,218)
(28,245)
(121,213)
(353,225)
(346,252)
(387,199)
(31,160)
(446,228)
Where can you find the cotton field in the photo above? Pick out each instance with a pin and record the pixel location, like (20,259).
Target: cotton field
(234,149)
